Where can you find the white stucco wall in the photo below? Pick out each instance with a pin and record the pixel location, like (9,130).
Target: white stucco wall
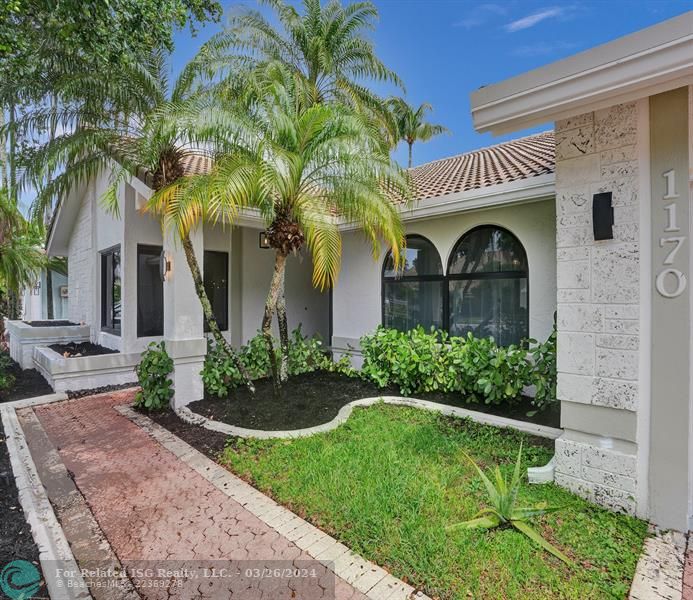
(80,259)
(304,304)
(357,295)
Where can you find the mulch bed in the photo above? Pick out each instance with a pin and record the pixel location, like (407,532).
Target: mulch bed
(27,384)
(77,349)
(16,541)
(210,443)
(72,394)
(50,323)
(314,398)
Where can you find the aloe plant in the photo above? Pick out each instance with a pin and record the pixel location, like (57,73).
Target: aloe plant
(503,511)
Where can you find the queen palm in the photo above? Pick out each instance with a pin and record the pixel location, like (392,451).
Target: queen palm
(409,124)
(130,120)
(306,167)
(326,44)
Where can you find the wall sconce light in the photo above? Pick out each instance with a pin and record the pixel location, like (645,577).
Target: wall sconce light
(165,265)
(264,240)
(602,216)
(37,289)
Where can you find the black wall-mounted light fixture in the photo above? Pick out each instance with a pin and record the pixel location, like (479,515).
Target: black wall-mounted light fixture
(602,216)
(264,240)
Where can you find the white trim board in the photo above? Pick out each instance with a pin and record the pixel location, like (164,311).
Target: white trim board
(650,61)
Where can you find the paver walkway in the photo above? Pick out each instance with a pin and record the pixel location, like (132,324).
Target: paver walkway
(152,507)
(688,571)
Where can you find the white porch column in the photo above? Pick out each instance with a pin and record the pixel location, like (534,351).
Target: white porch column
(183,322)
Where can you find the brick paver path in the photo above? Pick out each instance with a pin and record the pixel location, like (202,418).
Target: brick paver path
(152,507)
(688,574)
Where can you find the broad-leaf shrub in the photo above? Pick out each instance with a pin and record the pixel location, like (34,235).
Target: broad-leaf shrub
(418,361)
(220,375)
(153,374)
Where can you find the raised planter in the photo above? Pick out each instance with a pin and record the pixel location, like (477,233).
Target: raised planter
(25,337)
(85,372)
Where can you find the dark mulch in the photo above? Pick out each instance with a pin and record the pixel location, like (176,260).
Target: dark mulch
(50,323)
(71,394)
(77,349)
(210,443)
(315,398)
(16,541)
(27,384)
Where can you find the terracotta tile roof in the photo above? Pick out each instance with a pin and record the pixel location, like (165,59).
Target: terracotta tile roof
(195,164)
(510,161)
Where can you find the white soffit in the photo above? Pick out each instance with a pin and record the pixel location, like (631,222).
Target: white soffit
(641,64)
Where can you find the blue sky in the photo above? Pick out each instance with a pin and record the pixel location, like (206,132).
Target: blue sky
(445,49)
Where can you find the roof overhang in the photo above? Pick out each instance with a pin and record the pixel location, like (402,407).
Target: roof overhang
(58,242)
(522,191)
(641,64)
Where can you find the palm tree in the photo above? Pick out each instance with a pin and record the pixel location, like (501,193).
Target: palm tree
(130,120)
(327,44)
(410,125)
(21,257)
(305,166)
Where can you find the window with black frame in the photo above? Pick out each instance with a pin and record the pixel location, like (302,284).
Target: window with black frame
(150,292)
(414,293)
(216,281)
(488,286)
(111,290)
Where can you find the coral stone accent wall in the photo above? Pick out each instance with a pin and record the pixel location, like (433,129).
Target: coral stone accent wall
(598,285)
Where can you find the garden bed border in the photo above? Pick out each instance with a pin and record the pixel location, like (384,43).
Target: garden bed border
(194,418)
(38,512)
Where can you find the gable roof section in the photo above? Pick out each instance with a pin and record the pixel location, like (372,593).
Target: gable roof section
(503,163)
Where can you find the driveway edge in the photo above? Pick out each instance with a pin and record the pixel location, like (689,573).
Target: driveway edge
(45,528)
(659,573)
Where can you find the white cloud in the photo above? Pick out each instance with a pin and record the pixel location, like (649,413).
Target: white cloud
(534,18)
(480,15)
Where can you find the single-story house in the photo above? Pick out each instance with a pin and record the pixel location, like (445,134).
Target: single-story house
(590,220)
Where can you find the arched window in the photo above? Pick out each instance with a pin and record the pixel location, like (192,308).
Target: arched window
(488,286)
(414,294)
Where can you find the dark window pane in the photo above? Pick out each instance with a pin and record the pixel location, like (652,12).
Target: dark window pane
(488,250)
(150,292)
(216,280)
(407,304)
(110,291)
(421,259)
(495,308)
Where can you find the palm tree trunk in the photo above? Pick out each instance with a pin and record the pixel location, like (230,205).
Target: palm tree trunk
(270,304)
(283,332)
(12,156)
(209,314)
(3,153)
(411,145)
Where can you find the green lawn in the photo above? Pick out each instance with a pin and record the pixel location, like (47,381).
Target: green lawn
(387,482)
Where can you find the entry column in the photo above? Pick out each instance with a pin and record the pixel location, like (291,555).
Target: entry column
(183,321)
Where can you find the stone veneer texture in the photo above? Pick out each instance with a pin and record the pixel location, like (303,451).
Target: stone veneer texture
(598,295)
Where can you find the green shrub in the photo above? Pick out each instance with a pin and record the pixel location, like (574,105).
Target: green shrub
(6,378)
(153,374)
(220,375)
(544,371)
(418,361)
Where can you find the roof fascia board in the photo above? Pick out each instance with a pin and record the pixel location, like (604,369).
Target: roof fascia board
(649,61)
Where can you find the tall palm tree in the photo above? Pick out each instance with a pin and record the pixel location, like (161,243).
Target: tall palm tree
(21,257)
(327,44)
(410,125)
(130,120)
(305,166)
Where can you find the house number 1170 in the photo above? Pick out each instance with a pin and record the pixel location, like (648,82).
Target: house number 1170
(672,242)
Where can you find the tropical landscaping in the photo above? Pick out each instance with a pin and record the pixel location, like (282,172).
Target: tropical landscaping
(285,111)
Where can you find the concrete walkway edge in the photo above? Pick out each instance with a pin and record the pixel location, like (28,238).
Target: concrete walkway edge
(365,576)
(45,528)
(659,573)
(194,418)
